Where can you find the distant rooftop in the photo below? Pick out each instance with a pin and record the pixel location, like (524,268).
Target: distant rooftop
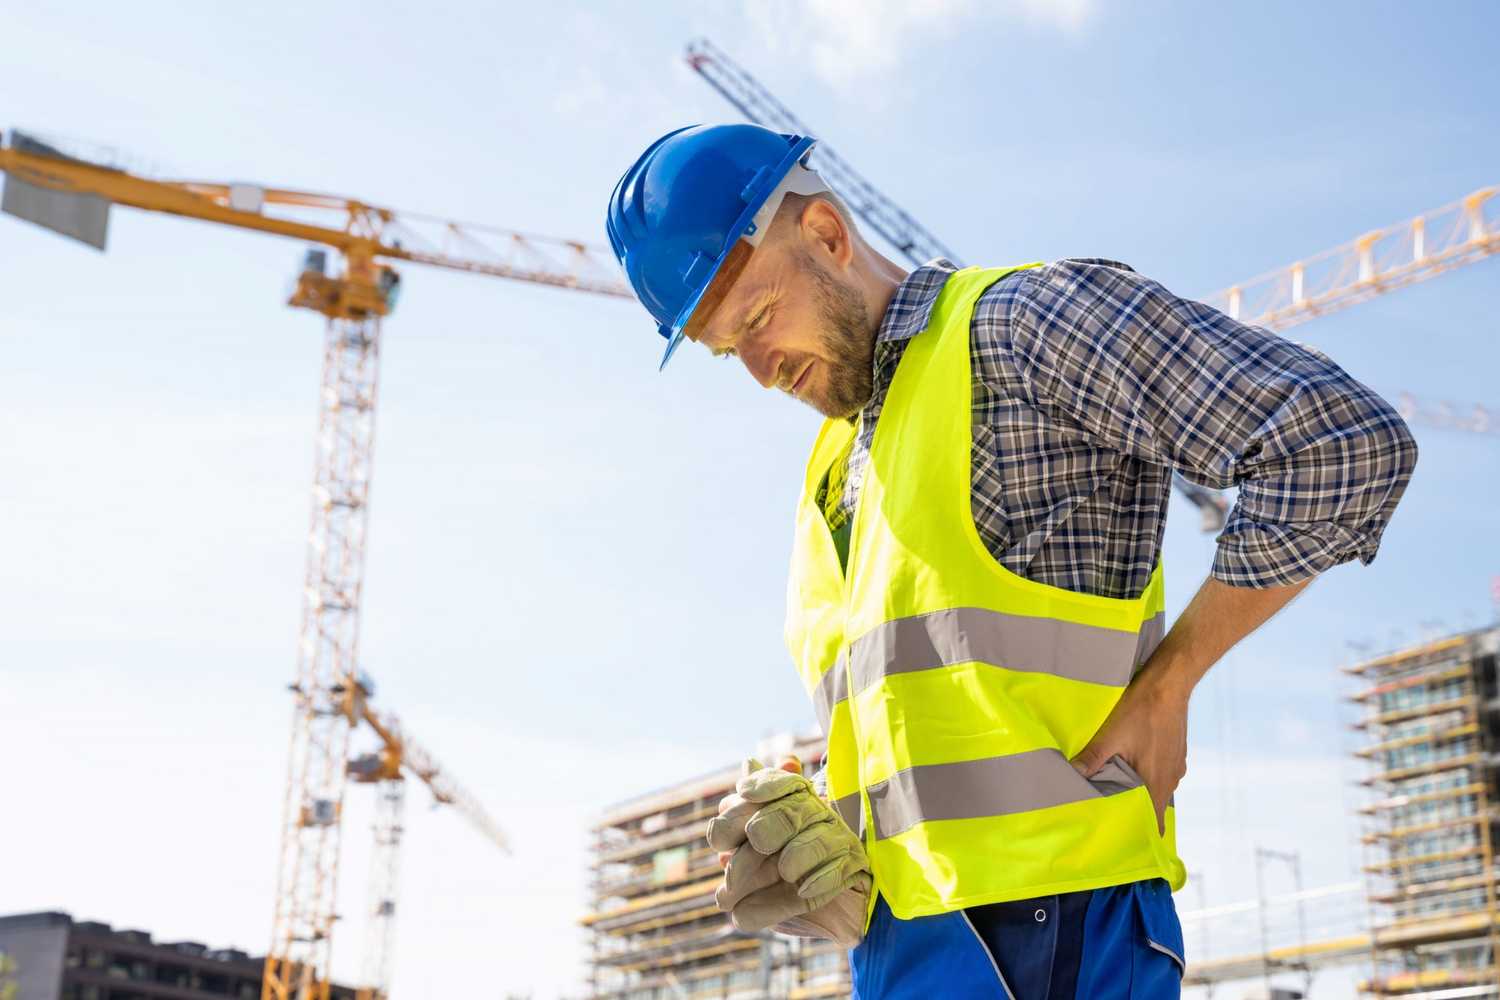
(55,918)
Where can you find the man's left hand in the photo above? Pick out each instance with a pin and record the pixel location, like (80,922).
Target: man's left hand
(1148,730)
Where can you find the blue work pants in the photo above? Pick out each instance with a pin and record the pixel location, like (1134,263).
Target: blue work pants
(1119,943)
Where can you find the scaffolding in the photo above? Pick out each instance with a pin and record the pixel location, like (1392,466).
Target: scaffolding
(654,931)
(1430,716)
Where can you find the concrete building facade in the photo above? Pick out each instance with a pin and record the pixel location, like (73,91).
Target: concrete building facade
(59,958)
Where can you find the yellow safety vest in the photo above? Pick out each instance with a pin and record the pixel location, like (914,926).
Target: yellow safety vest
(953,692)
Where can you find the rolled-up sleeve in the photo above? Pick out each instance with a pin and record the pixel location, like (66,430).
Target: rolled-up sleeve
(1320,459)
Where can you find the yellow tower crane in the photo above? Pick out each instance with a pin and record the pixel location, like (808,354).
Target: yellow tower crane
(73,195)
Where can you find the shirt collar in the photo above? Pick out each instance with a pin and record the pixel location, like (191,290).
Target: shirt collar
(911,306)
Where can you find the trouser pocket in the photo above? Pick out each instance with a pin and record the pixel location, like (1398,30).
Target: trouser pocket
(1132,944)
(1159,962)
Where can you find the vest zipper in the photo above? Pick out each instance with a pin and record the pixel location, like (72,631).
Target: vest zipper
(859,501)
(999,976)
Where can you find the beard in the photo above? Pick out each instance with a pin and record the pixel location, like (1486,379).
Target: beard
(848,344)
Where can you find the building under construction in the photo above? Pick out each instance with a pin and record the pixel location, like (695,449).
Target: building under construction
(1431,718)
(654,931)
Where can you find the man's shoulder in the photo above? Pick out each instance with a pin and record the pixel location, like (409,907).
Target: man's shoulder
(1089,264)
(1056,276)
(1045,290)
(1068,269)
(1021,311)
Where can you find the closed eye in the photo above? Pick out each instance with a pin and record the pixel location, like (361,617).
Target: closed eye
(750,327)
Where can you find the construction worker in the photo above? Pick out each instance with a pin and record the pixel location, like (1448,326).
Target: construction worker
(975,603)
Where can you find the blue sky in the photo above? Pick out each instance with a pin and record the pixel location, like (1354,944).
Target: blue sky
(575,574)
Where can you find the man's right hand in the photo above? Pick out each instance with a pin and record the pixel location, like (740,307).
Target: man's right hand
(790,862)
(756,897)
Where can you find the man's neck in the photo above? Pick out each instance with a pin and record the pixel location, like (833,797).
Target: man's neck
(879,277)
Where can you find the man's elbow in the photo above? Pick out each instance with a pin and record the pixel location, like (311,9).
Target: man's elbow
(1386,452)
(1389,452)
(1402,446)
(1408,451)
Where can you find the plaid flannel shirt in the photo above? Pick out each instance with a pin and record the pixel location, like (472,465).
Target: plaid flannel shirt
(1092,384)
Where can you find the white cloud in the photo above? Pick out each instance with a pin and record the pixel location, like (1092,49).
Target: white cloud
(1067,16)
(851,43)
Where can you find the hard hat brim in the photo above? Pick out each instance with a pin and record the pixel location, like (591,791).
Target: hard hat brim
(678,332)
(672,345)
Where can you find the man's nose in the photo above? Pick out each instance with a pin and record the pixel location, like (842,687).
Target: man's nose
(763,363)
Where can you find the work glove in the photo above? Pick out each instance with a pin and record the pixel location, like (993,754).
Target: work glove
(791,864)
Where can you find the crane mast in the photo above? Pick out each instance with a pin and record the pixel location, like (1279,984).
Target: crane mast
(385,871)
(354,298)
(328,656)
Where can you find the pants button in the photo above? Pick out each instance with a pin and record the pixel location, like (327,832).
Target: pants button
(1041,916)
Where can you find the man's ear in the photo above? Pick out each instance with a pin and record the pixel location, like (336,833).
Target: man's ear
(824,228)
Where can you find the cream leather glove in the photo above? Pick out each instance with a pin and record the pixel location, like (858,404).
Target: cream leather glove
(841,920)
(793,866)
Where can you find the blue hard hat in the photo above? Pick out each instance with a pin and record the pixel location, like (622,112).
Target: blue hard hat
(677,213)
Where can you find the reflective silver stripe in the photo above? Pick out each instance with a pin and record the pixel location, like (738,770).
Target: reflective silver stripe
(832,688)
(1153,630)
(993,786)
(1016,642)
(848,810)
